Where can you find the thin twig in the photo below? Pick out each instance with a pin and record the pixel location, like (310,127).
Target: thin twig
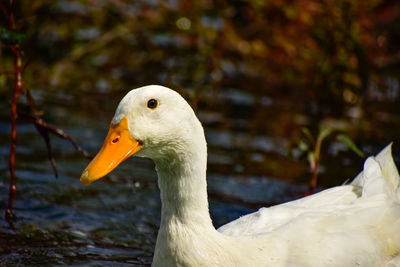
(33,115)
(45,134)
(56,131)
(314,179)
(17,89)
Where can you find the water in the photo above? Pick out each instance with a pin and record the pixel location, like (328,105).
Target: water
(114,221)
(257,91)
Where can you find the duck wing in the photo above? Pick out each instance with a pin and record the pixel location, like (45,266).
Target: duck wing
(377,187)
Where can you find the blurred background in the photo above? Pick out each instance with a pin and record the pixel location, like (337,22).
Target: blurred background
(263,77)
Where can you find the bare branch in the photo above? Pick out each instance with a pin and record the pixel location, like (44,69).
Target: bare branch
(56,131)
(45,134)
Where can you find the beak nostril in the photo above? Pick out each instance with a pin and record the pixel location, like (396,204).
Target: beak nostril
(115,140)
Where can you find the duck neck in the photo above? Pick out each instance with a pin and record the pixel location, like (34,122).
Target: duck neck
(183,187)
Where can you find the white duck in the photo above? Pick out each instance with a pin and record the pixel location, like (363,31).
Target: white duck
(350,225)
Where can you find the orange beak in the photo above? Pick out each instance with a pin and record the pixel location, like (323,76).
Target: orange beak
(118,146)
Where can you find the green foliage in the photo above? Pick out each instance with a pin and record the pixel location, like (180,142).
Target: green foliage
(9,37)
(312,146)
(345,139)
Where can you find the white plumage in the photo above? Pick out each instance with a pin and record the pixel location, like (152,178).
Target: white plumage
(351,225)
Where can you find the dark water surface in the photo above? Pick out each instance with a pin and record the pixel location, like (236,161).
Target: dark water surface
(114,221)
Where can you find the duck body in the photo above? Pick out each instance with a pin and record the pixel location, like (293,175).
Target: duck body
(351,225)
(341,226)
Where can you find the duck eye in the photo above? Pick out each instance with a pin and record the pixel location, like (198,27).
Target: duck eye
(152,103)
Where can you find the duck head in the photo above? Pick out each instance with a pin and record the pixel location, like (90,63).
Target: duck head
(151,121)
